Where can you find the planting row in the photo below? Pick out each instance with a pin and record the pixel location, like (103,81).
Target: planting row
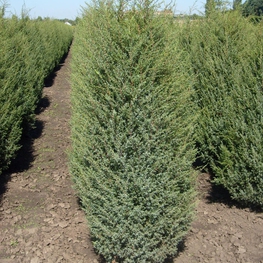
(29,52)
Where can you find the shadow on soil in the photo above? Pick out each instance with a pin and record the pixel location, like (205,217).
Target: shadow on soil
(49,80)
(219,194)
(214,193)
(25,156)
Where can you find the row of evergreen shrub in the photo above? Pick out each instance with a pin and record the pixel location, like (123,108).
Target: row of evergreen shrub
(133,125)
(29,51)
(226,53)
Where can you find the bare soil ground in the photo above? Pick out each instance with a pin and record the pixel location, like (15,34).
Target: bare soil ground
(41,220)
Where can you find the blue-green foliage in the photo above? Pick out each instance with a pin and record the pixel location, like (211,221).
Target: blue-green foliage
(132,132)
(29,51)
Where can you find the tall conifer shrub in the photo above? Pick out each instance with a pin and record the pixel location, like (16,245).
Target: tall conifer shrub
(227,58)
(132,131)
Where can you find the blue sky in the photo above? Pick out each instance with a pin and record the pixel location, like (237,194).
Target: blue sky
(70,9)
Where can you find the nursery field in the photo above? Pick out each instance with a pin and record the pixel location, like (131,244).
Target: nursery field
(143,145)
(41,220)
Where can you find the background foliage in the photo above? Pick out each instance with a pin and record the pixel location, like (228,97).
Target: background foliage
(253,8)
(226,53)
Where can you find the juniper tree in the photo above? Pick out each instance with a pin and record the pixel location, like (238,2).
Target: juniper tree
(132,131)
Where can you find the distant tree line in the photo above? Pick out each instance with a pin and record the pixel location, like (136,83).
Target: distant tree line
(72,22)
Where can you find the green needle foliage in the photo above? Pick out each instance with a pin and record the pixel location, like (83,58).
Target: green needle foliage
(132,131)
(29,51)
(227,59)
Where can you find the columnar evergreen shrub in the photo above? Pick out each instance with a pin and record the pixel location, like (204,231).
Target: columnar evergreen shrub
(226,52)
(29,51)
(132,131)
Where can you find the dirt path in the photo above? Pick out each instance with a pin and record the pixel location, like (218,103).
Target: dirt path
(222,232)
(40,218)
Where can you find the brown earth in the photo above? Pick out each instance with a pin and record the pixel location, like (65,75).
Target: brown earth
(41,220)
